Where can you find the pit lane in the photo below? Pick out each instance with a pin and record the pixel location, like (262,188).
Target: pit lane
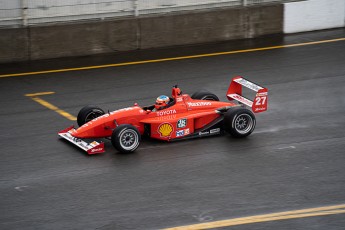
(293,160)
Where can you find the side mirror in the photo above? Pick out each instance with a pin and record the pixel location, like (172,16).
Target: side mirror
(148,111)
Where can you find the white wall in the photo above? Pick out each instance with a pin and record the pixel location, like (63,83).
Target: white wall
(313,15)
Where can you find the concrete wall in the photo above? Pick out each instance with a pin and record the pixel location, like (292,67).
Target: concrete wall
(220,25)
(14,45)
(43,42)
(313,15)
(82,39)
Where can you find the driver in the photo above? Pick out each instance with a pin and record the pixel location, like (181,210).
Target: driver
(161,102)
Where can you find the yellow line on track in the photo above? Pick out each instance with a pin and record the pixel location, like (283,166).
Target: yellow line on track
(303,213)
(46,104)
(170,59)
(38,94)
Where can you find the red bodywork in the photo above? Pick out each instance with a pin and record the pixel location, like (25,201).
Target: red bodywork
(185,117)
(197,114)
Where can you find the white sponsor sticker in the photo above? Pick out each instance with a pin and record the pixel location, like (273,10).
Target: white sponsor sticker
(241,99)
(261,94)
(166,112)
(196,104)
(204,133)
(248,84)
(217,130)
(180,133)
(182,123)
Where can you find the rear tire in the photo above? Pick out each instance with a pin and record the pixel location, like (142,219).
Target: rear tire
(125,138)
(204,95)
(239,122)
(89,113)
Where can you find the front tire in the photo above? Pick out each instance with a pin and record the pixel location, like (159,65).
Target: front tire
(239,122)
(125,138)
(89,113)
(204,95)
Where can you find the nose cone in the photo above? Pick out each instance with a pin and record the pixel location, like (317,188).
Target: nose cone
(84,132)
(102,126)
(94,128)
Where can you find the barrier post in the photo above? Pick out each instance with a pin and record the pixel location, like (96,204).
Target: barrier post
(24,6)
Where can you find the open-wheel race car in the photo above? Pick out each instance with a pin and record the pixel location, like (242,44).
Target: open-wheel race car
(183,117)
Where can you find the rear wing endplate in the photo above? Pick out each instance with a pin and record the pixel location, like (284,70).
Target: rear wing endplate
(259,104)
(91,148)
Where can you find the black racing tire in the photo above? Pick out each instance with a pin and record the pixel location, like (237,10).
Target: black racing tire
(239,122)
(204,95)
(125,138)
(89,113)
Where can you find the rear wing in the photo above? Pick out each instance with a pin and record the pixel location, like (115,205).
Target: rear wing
(259,104)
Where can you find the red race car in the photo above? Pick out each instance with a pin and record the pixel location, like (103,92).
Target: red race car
(182,117)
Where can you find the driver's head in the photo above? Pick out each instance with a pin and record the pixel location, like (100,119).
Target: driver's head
(161,102)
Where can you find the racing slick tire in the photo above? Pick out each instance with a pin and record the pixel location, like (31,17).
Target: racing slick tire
(239,122)
(89,113)
(125,138)
(204,95)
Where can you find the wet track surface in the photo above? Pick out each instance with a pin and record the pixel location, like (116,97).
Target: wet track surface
(294,159)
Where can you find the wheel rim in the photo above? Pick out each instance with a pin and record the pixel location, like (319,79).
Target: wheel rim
(129,139)
(92,115)
(244,123)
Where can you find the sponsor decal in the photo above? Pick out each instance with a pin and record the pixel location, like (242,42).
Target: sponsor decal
(182,123)
(186,131)
(241,99)
(68,136)
(179,133)
(217,130)
(259,109)
(96,150)
(166,112)
(179,99)
(262,94)
(203,133)
(165,129)
(164,118)
(75,139)
(196,104)
(248,84)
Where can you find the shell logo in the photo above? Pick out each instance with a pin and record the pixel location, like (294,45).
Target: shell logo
(165,130)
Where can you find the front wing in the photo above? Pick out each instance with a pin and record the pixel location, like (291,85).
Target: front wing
(91,148)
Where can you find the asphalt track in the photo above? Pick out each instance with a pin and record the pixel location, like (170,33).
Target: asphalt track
(294,160)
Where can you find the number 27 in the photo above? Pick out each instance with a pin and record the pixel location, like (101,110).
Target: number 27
(260,100)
